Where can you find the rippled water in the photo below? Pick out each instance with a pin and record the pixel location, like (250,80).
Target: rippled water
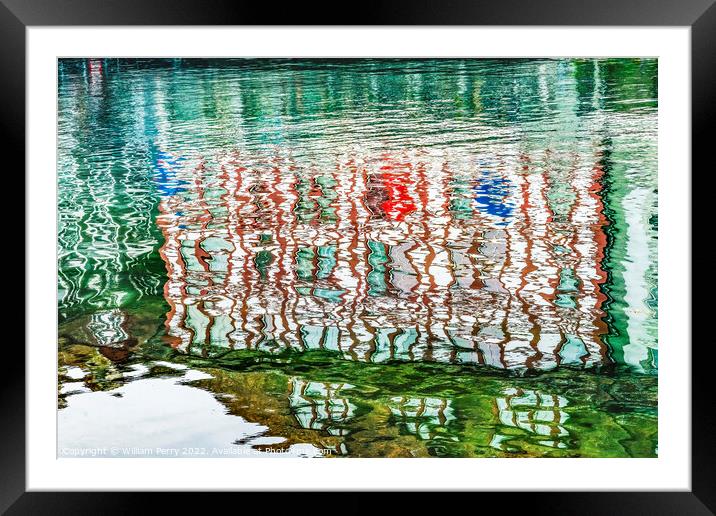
(358,257)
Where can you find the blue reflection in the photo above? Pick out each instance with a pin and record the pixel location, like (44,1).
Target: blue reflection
(491,192)
(165,172)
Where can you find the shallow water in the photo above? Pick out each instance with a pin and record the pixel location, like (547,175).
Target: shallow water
(357,258)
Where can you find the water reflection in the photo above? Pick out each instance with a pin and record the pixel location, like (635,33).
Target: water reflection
(222,413)
(537,413)
(426,418)
(274,255)
(361,257)
(318,406)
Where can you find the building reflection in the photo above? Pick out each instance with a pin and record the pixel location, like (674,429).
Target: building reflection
(538,414)
(403,257)
(425,418)
(317,405)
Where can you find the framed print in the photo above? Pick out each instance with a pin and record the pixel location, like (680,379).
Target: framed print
(435,250)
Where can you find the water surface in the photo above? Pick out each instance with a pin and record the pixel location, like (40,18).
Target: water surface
(358,257)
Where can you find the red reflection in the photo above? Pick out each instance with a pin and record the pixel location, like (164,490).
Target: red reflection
(396,181)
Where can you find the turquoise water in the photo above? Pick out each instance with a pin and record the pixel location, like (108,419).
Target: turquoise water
(358,257)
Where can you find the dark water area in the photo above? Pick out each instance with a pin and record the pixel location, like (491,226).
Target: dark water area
(361,258)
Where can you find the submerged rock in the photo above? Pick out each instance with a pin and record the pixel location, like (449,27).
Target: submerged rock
(107,330)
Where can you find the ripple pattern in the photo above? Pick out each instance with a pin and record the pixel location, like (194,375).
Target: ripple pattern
(491,212)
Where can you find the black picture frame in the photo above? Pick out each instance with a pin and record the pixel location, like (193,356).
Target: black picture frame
(700,15)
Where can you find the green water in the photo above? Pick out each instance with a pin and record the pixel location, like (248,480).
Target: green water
(358,258)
